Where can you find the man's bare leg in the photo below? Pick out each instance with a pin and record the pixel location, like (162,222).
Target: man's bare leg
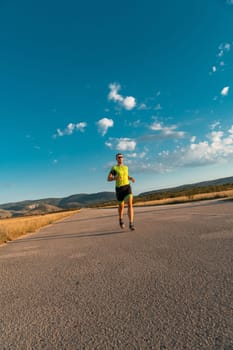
(121,214)
(131,212)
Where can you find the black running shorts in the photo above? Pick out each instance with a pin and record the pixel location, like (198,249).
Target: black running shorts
(123,192)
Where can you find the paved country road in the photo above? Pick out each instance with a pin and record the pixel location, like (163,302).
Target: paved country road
(83,283)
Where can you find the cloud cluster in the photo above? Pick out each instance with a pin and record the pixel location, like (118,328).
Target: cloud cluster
(70,128)
(162,132)
(167,131)
(216,149)
(121,144)
(103,125)
(223,49)
(128,102)
(219,66)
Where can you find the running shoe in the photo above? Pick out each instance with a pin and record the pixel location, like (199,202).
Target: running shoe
(121,222)
(131,226)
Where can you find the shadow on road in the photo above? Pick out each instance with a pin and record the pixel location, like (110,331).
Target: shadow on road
(67,236)
(64,221)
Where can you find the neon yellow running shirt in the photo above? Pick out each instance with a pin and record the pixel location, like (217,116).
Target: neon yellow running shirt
(121,172)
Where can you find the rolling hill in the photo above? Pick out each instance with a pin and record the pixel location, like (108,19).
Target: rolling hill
(48,205)
(216,182)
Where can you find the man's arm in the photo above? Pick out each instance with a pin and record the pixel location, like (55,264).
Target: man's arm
(131,179)
(112,175)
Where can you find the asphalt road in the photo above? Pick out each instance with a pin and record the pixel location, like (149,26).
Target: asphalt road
(83,283)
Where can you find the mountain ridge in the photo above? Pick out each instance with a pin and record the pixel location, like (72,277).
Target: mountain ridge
(219,181)
(48,205)
(80,200)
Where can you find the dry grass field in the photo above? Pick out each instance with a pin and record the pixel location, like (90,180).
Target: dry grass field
(12,228)
(183,199)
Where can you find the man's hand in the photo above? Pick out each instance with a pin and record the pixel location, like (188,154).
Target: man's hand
(111,177)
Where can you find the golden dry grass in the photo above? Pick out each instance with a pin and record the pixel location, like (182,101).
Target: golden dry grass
(15,227)
(183,199)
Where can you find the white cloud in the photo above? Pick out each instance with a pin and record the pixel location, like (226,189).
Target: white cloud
(81,126)
(109,144)
(223,47)
(136,155)
(156,126)
(121,144)
(193,139)
(220,53)
(128,102)
(142,106)
(225,91)
(158,107)
(125,144)
(113,94)
(167,131)
(137,123)
(70,128)
(215,125)
(103,125)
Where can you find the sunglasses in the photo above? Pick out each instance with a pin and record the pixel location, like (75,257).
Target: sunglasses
(119,157)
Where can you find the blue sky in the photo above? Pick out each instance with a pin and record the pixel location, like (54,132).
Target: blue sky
(81,81)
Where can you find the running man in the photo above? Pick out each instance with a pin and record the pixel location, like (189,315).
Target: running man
(119,173)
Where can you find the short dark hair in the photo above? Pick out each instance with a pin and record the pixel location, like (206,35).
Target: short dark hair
(119,154)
